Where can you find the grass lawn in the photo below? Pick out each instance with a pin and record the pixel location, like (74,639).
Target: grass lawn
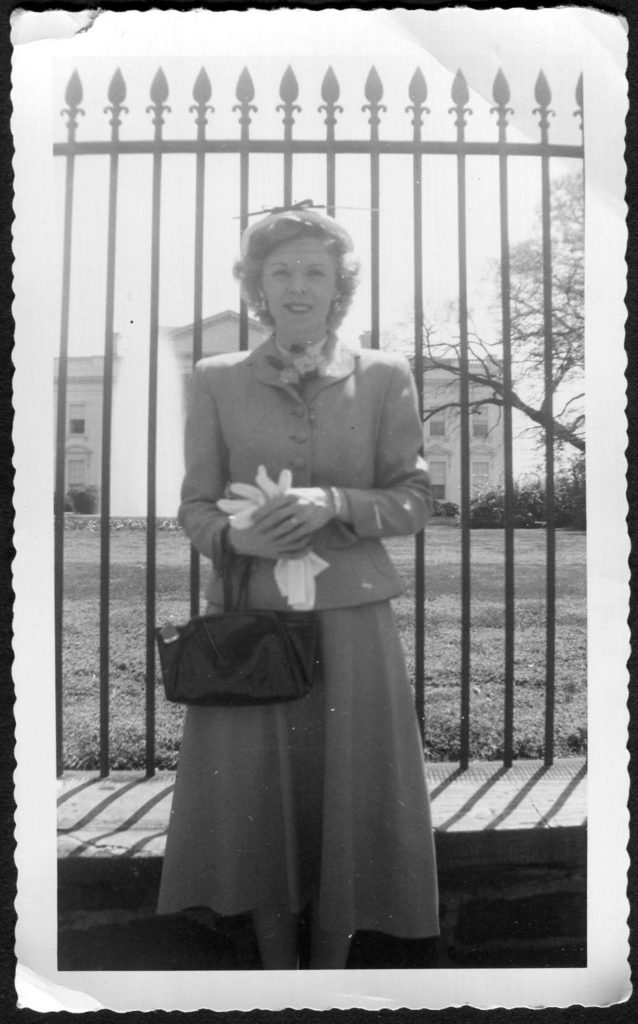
(442,646)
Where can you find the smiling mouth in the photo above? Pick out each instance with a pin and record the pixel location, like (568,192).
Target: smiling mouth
(298,307)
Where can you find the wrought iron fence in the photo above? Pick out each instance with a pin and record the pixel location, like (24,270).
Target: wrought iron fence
(331,148)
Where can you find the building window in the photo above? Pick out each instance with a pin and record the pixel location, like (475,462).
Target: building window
(77,472)
(437,425)
(77,419)
(480,475)
(480,424)
(437,479)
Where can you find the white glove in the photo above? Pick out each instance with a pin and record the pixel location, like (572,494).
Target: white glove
(295,577)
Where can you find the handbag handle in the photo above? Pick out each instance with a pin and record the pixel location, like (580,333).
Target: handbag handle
(227,561)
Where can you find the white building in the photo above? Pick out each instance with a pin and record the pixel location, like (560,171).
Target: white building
(220,333)
(85,385)
(441,436)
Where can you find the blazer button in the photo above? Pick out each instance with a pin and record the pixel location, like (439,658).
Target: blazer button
(300,436)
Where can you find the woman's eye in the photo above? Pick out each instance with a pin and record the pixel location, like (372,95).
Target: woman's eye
(281,273)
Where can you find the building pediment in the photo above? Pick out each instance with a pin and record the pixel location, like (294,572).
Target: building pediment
(438,450)
(220,333)
(482,449)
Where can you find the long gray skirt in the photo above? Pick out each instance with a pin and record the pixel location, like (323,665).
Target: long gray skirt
(320,799)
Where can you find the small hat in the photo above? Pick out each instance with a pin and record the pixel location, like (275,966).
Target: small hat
(282,224)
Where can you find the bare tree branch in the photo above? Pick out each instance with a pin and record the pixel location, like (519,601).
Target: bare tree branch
(527,331)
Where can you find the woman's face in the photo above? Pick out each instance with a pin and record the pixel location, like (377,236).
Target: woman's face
(299,282)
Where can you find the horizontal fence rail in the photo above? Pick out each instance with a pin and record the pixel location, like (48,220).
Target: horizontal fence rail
(195,152)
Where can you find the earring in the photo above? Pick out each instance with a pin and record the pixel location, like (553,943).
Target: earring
(262,305)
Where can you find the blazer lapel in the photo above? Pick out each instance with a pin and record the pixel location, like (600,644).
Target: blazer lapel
(266,358)
(264,361)
(342,365)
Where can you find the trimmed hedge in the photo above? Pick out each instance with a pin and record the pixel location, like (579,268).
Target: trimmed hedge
(93,523)
(487,507)
(445,509)
(83,500)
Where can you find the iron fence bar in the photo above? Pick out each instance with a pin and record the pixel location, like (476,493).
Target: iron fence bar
(418,95)
(501,97)
(419,552)
(159,93)
(330,95)
(330,184)
(73,98)
(201,95)
(543,98)
(374,251)
(243,220)
(341,147)
(245,93)
(117,94)
(460,96)
(288,91)
(374,93)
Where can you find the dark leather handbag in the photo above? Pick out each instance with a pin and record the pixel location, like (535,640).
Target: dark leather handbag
(240,656)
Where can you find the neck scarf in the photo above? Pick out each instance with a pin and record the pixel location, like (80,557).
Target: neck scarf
(294,367)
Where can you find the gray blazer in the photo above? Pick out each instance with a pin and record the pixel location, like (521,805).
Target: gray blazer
(358,429)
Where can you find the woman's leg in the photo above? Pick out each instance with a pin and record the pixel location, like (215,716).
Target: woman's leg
(276,929)
(328,950)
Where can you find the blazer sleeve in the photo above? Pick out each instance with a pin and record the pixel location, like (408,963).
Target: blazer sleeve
(206,476)
(401,501)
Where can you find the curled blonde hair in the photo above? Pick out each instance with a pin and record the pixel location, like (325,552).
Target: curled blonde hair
(249,269)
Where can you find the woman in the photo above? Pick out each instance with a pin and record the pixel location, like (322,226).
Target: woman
(323,800)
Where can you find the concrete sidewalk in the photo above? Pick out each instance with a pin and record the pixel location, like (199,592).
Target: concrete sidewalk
(511,848)
(126,814)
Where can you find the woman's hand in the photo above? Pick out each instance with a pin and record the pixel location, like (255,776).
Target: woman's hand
(313,506)
(282,528)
